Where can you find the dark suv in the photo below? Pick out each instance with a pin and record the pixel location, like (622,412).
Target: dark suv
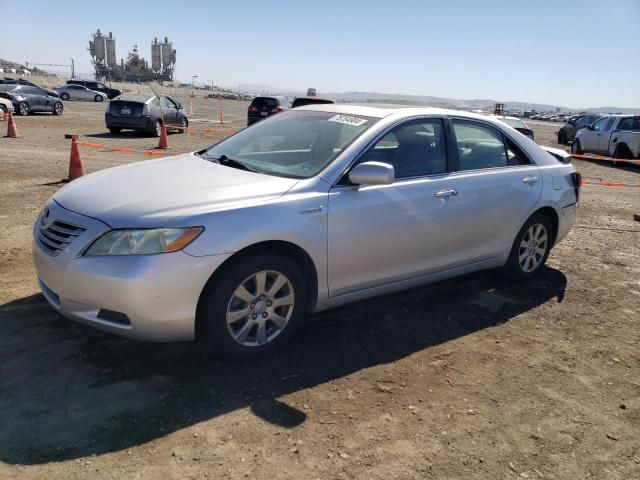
(568,131)
(98,87)
(262,107)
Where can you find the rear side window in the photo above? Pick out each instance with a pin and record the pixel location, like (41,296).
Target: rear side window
(631,123)
(266,102)
(481,146)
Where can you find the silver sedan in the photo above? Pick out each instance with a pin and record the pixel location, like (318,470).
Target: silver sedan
(79,92)
(306,210)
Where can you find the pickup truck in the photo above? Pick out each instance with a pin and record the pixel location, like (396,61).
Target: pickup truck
(617,136)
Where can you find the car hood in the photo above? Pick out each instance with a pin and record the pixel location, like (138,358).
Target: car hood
(167,191)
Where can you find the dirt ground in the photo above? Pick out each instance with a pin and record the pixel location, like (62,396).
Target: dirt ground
(470,378)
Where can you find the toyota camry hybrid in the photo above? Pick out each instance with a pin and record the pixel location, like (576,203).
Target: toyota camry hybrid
(303,211)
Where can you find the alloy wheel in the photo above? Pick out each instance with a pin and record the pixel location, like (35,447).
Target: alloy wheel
(260,308)
(533,248)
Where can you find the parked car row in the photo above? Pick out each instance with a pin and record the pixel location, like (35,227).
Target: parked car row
(567,132)
(265,106)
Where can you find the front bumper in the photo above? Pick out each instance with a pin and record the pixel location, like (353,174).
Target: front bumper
(157,294)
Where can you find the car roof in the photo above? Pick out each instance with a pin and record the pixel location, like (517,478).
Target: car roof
(381,111)
(135,97)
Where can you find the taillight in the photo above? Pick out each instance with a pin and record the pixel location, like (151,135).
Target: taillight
(277,109)
(577,179)
(146,110)
(252,108)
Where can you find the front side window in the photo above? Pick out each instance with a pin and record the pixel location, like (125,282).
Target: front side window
(296,144)
(600,124)
(415,148)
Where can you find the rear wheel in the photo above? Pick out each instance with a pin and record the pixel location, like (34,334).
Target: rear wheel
(562,138)
(3,109)
(184,123)
(98,98)
(531,248)
(623,152)
(254,306)
(64,96)
(57,108)
(23,109)
(114,130)
(576,148)
(157,128)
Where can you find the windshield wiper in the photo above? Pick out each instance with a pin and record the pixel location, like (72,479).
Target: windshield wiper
(233,163)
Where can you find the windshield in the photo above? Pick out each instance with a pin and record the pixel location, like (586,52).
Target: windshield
(514,122)
(296,144)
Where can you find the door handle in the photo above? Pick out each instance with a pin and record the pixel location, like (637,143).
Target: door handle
(530,180)
(446,192)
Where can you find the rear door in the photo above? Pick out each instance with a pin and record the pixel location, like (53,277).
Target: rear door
(496,186)
(169,110)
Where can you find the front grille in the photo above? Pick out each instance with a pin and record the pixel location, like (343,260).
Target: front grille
(55,237)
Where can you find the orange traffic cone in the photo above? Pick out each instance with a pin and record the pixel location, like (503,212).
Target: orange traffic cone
(76,167)
(163,143)
(12,131)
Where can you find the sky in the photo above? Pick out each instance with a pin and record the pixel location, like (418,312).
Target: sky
(572,53)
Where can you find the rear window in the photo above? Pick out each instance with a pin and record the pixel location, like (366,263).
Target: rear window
(268,102)
(631,123)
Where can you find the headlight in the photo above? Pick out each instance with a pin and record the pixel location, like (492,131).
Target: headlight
(143,242)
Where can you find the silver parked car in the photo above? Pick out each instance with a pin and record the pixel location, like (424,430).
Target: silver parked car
(79,92)
(306,210)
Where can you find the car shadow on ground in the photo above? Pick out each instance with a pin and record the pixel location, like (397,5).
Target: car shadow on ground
(69,391)
(125,134)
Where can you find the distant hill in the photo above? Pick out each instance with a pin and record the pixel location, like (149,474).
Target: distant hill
(375,97)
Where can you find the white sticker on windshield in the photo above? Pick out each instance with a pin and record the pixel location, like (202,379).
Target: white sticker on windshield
(349,120)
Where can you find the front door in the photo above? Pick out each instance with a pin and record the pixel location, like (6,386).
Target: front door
(590,140)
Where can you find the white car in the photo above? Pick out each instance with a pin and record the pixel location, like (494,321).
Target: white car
(79,92)
(306,210)
(6,105)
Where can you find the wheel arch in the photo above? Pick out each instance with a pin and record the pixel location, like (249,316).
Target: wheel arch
(553,217)
(282,247)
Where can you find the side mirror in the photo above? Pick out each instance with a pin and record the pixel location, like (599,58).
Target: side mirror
(372,173)
(589,127)
(179,106)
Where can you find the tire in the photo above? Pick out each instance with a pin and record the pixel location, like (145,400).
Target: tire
(114,130)
(576,148)
(157,128)
(23,109)
(64,96)
(530,249)
(623,152)
(3,109)
(232,334)
(185,124)
(58,108)
(98,98)
(562,138)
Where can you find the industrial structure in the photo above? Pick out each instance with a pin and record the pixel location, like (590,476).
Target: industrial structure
(135,68)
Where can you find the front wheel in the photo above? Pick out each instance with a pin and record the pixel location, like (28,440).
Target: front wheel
(530,249)
(57,108)
(576,148)
(23,109)
(3,109)
(114,130)
(65,96)
(98,98)
(254,306)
